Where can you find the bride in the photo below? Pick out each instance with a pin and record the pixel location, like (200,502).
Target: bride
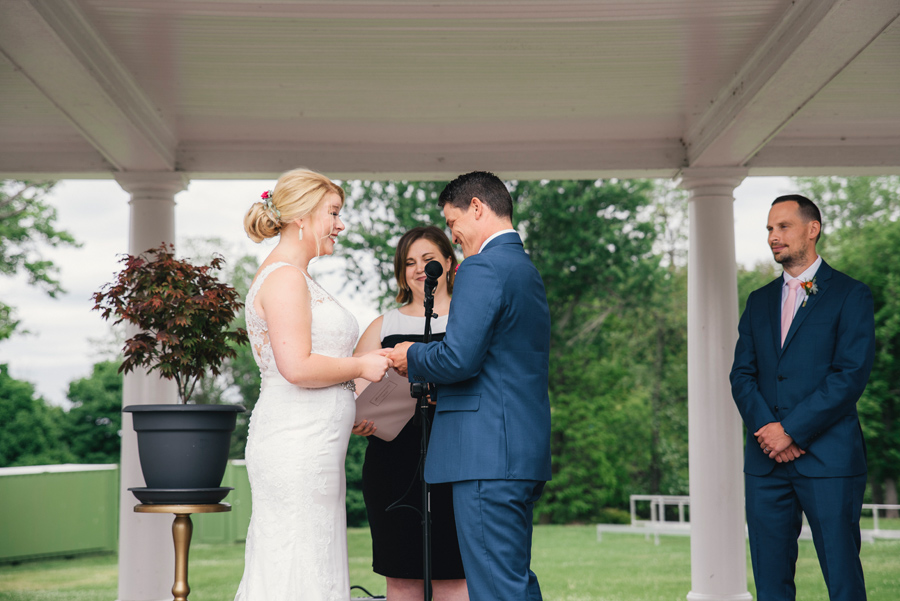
(302,340)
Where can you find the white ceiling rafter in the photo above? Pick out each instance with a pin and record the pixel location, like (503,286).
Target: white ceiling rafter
(416,90)
(415,160)
(54,46)
(813,43)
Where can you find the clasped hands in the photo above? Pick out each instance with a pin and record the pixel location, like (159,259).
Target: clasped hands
(777,444)
(397,360)
(398,357)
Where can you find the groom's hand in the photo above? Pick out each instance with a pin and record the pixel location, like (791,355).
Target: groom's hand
(398,357)
(790,453)
(773,439)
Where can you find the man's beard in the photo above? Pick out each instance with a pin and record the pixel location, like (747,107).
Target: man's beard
(790,259)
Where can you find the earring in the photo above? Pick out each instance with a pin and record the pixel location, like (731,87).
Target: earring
(301,232)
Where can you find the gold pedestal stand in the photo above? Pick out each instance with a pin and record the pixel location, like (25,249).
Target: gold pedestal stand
(181,534)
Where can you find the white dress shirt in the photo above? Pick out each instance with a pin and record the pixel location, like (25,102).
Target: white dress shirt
(500,233)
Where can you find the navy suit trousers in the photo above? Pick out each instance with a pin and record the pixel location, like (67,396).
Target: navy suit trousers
(494,526)
(832,507)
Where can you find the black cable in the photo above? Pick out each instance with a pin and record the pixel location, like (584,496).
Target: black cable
(371,596)
(415,478)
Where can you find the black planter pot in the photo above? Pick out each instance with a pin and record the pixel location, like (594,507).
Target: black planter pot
(183,451)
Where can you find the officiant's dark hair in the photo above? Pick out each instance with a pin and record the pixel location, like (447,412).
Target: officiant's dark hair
(434,235)
(486,186)
(808,209)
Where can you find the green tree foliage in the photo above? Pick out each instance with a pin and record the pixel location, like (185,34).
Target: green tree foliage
(848,203)
(91,427)
(654,336)
(28,223)
(590,245)
(8,321)
(356,505)
(593,243)
(755,277)
(599,437)
(30,430)
(657,331)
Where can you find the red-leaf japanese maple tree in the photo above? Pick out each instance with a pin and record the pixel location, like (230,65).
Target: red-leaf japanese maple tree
(182,311)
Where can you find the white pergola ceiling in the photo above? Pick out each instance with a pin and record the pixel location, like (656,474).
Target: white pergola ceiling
(221,89)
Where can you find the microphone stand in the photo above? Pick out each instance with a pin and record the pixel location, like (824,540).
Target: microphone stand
(422,391)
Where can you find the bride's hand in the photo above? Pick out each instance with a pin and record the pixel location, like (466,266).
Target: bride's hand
(375,365)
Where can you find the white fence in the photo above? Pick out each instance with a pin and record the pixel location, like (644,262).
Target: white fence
(658,524)
(876,508)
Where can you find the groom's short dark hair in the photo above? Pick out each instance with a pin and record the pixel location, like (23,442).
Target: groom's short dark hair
(486,186)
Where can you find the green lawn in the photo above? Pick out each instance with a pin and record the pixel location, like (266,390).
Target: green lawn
(571,565)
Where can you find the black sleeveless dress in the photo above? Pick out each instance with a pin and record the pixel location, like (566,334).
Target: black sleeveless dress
(391,476)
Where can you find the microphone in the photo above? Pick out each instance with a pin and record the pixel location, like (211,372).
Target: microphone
(433,270)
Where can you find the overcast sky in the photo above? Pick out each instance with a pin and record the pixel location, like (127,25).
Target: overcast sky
(59,347)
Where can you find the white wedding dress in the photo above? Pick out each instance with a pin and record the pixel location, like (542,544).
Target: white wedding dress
(297,541)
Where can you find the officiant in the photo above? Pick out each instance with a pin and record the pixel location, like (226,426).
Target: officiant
(391,468)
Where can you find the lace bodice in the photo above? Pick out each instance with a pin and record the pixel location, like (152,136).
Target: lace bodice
(334,329)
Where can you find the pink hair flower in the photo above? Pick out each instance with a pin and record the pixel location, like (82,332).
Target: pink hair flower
(267,201)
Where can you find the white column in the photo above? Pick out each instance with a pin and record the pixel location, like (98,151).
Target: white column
(146,550)
(718,546)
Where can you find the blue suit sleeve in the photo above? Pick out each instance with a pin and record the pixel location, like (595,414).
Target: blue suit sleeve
(849,373)
(745,375)
(473,313)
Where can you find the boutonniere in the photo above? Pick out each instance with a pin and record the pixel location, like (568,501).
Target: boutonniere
(810,288)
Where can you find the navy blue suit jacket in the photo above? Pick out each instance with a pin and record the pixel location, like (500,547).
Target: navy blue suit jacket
(491,370)
(812,384)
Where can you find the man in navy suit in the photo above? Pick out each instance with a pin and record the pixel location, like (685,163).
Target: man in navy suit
(804,353)
(491,434)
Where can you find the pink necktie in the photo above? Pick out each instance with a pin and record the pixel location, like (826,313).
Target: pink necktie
(787,311)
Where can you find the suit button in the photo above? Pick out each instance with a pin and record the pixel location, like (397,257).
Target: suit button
(776,407)
(781,378)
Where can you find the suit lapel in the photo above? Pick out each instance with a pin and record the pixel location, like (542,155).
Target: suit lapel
(823,275)
(774,302)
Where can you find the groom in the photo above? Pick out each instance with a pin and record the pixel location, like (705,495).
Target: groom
(491,434)
(805,349)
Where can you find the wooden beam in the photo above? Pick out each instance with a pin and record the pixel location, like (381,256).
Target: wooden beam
(813,43)
(854,156)
(55,47)
(380,160)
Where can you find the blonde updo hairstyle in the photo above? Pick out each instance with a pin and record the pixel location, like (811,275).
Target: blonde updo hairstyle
(297,194)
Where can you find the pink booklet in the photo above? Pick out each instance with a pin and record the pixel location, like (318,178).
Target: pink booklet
(387,403)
